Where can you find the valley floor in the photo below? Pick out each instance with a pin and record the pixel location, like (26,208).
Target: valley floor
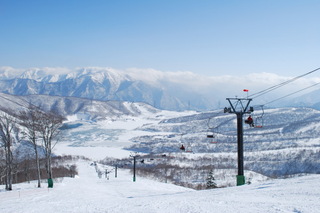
(89,193)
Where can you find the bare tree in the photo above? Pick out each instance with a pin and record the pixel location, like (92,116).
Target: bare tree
(2,165)
(8,132)
(31,121)
(49,131)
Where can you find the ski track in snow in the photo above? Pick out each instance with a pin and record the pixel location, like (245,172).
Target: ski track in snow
(89,193)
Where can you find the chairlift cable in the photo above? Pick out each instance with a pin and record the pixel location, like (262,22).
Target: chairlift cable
(257,94)
(222,123)
(262,105)
(292,93)
(227,121)
(277,99)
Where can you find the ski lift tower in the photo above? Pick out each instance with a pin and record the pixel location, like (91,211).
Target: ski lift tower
(134,156)
(239,106)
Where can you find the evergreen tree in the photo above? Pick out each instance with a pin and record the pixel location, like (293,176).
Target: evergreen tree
(211,181)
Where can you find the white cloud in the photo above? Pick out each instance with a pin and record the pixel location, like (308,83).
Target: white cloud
(56,70)
(46,70)
(11,71)
(227,86)
(149,75)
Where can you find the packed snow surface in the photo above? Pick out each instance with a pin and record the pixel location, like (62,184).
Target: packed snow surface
(89,193)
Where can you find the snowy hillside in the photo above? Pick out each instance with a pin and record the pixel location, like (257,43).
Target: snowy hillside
(83,108)
(89,193)
(287,145)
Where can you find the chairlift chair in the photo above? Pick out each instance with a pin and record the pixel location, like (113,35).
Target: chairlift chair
(259,123)
(189,148)
(186,148)
(212,135)
(259,119)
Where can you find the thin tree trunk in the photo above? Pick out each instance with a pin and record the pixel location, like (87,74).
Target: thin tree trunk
(6,168)
(38,165)
(49,163)
(9,167)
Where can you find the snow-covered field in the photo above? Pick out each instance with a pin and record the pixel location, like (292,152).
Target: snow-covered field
(107,138)
(89,193)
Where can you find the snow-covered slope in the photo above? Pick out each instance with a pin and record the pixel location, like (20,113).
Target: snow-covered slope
(286,144)
(85,108)
(89,193)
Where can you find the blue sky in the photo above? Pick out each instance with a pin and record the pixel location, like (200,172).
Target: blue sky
(207,37)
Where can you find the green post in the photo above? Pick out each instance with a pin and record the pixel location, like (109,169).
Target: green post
(50,183)
(240,180)
(134,168)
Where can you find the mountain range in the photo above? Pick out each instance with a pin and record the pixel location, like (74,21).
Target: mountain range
(178,92)
(104,85)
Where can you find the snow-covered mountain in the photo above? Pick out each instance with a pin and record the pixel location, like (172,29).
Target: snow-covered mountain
(102,84)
